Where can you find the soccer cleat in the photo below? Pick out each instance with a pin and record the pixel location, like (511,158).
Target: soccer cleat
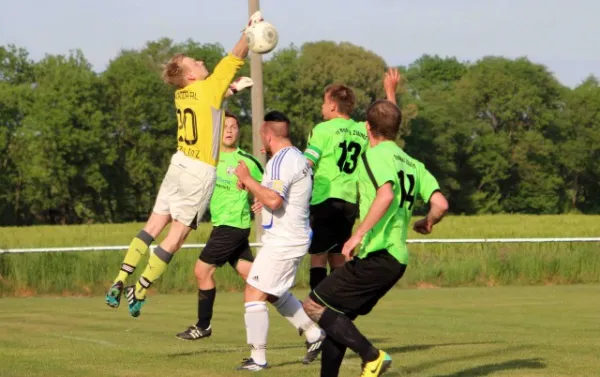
(378,366)
(135,305)
(113,297)
(251,365)
(195,332)
(313,349)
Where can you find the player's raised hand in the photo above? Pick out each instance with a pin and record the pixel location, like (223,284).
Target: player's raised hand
(423,226)
(350,245)
(240,84)
(391,80)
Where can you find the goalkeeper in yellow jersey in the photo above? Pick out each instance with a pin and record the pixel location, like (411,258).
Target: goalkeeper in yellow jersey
(186,189)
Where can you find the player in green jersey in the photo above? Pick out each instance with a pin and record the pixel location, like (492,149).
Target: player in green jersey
(334,149)
(389,182)
(333,206)
(230,215)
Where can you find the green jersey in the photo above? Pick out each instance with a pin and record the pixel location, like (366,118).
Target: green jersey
(335,155)
(229,205)
(380,164)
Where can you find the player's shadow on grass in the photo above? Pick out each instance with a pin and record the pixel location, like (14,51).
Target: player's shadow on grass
(243,348)
(416,347)
(392,350)
(433,363)
(487,369)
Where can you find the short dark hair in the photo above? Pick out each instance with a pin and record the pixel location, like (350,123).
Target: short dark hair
(343,97)
(384,118)
(278,117)
(232,115)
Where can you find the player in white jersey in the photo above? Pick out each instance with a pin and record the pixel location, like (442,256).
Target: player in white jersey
(285,197)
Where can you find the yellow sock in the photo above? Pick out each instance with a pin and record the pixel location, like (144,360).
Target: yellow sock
(157,264)
(137,249)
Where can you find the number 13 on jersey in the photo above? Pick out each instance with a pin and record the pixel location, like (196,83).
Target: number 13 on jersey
(348,160)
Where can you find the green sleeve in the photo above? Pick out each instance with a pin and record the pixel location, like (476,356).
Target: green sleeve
(427,183)
(257,171)
(255,167)
(317,142)
(379,168)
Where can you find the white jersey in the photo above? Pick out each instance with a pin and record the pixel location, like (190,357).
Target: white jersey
(287,229)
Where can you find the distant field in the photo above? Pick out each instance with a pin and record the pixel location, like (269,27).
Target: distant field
(88,273)
(462,332)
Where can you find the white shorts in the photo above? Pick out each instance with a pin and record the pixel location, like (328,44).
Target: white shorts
(186,190)
(271,274)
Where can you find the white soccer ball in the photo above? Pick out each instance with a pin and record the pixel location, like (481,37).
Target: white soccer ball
(262,37)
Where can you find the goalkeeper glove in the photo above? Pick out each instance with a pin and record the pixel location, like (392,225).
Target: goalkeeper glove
(241,83)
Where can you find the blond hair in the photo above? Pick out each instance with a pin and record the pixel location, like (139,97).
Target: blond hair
(173,71)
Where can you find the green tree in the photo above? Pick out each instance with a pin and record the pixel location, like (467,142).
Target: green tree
(579,147)
(295,79)
(59,148)
(16,77)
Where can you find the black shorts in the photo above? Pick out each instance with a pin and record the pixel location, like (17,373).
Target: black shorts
(227,245)
(331,222)
(355,288)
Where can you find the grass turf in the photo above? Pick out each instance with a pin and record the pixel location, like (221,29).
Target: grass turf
(459,332)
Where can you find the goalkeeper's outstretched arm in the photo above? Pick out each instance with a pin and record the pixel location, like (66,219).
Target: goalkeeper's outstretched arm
(240,49)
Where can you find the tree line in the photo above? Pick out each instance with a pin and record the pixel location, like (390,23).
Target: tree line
(501,135)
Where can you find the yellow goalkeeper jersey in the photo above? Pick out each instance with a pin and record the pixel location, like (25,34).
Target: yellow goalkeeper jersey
(199,113)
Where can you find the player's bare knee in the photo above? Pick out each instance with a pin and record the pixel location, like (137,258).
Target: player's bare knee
(243,268)
(336,260)
(156,223)
(253,294)
(203,271)
(318,260)
(176,237)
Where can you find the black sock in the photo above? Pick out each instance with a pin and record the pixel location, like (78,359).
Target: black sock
(317,275)
(206,301)
(332,355)
(342,329)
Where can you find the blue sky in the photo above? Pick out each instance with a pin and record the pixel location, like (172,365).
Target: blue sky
(558,33)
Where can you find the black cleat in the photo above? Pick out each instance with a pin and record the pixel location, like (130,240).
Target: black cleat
(313,349)
(194,333)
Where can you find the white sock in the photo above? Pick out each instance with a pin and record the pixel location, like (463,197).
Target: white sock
(291,308)
(257,330)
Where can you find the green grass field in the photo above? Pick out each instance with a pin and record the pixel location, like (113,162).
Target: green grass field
(461,332)
(441,265)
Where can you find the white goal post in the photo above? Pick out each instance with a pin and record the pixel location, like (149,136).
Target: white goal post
(413,241)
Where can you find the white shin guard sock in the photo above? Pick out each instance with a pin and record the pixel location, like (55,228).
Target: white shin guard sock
(291,308)
(257,329)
